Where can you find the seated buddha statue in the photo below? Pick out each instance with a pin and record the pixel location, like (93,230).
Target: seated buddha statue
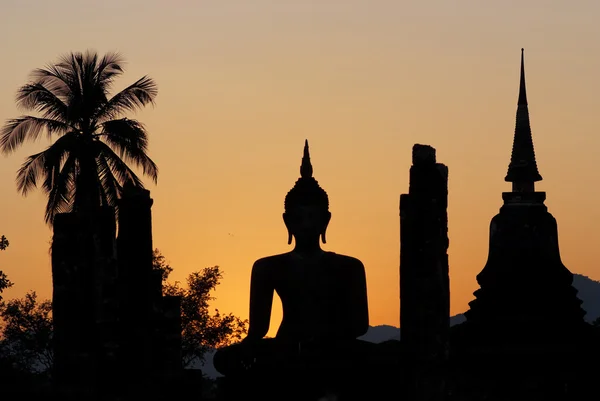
(323,296)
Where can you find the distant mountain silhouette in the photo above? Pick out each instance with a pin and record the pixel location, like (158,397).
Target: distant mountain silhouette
(208,369)
(379,334)
(588,292)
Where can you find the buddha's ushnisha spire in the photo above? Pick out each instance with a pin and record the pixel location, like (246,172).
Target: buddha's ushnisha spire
(306,191)
(522,170)
(306,169)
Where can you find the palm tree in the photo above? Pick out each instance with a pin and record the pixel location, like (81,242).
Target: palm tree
(87,165)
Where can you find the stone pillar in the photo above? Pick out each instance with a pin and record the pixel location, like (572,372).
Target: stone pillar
(106,302)
(84,314)
(134,252)
(424,276)
(151,323)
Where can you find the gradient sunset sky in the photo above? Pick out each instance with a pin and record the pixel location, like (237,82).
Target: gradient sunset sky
(243,83)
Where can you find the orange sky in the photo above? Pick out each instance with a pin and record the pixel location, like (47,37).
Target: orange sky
(242,84)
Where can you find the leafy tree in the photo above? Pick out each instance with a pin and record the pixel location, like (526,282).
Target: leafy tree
(160,263)
(201,330)
(87,164)
(27,333)
(4,281)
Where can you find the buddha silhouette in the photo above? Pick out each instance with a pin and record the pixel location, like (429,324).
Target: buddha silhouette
(323,294)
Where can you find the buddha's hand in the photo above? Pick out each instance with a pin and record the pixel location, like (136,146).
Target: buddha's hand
(248,363)
(248,358)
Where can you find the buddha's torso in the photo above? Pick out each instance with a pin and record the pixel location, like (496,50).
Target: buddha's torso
(314,293)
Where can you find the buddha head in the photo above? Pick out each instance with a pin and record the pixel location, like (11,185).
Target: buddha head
(306,214)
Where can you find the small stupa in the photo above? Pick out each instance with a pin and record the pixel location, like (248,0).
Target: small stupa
(526,313)
(525,287)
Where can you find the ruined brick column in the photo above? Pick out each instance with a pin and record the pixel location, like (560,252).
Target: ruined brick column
(134,252)
(424,277)
(70,306)
(150,322)
(83,312)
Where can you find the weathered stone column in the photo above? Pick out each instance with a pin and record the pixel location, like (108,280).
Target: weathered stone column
(150,323)
(84,314)
(424,276)
(134,252)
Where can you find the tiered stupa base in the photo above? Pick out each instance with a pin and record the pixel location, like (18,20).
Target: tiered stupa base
(525,336)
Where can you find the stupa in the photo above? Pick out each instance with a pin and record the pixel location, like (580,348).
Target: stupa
(525,329)
(524,283)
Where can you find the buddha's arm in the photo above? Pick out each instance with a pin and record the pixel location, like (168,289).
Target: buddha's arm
(360,302)
(261,301)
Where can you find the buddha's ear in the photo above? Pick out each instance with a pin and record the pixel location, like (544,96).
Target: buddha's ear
(285,220)
(327,218)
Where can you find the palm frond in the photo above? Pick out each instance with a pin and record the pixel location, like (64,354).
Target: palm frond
(110,186)
(56,154)
(70,65)
(90,64)
(109,67)
(130,140)
(135,96)
(119,168)
(55,79)
(61,194)
(30,172)
(36,96)
(125,135)
(14,133)
(94,90)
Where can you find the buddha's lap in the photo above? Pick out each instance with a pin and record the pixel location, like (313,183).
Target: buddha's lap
(274,354)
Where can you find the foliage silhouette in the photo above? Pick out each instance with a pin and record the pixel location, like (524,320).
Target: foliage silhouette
(87,163)
(27,333)
(201,331)
(3,243)
(159,262)
(4,281)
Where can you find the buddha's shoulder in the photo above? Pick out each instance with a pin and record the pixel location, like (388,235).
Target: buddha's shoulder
(284,258)
(273,260)
(346,260)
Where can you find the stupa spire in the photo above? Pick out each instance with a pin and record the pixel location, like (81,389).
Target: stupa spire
(522,170)
(522,89)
